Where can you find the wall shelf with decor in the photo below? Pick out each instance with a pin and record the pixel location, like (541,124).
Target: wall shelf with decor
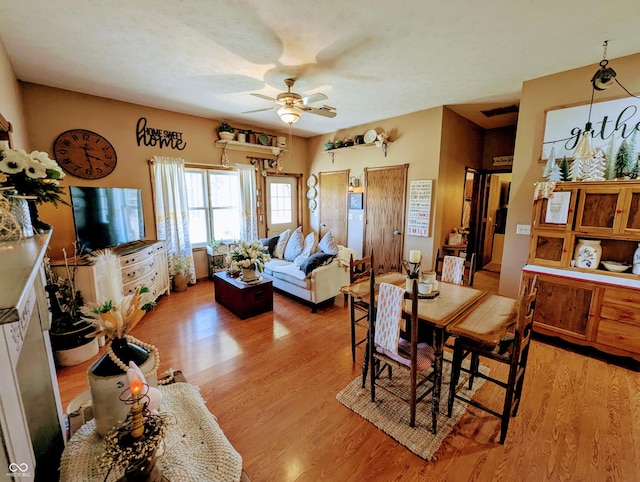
(592,306)
(247,147)
(332,152)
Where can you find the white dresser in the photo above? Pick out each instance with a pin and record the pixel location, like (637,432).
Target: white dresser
(142,263)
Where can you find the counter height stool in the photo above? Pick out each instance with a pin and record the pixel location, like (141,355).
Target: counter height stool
(497,341)
(358,270)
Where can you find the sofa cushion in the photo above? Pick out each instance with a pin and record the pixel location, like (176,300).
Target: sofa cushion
(328,244)
(315,261)
(270,243)
(310,245)
(295,245)
(278,252)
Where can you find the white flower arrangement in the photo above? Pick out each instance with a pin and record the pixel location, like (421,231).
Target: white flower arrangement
(32,174)
(248,256)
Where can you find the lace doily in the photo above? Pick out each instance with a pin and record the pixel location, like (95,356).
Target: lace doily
(195,448)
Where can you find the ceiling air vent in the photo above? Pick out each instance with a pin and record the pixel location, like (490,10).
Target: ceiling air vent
(510,109)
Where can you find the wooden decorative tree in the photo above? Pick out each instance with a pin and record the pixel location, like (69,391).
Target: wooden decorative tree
(623,164)
(564,169)
(551,160)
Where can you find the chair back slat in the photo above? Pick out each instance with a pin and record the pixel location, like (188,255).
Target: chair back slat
(452,270)
(389,317)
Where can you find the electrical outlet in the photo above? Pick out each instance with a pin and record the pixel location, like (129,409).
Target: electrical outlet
(523,229)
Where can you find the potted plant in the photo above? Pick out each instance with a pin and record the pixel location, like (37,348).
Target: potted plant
(179,269)
(225,131)
(70,334)
(250,258)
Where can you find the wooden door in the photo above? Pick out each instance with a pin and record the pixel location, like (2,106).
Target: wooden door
(385,198)
(281,202)
(333,189)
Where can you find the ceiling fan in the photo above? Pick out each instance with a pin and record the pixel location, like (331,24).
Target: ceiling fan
(291,105)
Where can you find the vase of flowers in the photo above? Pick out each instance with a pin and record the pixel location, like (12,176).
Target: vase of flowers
(250,258)
(34,176)
(114,316)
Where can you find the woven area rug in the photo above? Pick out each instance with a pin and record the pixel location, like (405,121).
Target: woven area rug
(391,415)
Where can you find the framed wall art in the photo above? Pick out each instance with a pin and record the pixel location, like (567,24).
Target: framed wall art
(355,200)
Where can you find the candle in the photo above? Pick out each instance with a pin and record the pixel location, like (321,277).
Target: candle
(137,418)
(414,256)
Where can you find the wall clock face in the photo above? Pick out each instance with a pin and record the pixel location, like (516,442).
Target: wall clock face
(84,154)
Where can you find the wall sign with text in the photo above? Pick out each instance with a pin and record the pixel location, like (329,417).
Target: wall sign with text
(418,219)
(613,122)
(151,136)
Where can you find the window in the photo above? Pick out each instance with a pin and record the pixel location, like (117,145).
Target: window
(280,203)
(214,198)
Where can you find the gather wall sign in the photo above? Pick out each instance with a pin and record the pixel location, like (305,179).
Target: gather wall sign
(613,121)
(150,136)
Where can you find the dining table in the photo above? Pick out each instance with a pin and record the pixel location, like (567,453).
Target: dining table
(439,311)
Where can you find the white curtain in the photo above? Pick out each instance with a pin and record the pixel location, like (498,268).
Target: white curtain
(171,207)
(248,218)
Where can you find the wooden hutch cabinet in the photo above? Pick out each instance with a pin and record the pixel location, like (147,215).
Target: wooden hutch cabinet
(592,307)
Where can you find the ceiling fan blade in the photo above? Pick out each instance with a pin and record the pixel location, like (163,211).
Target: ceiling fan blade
(323,111)
(265,97)
(260,110)
(310,99)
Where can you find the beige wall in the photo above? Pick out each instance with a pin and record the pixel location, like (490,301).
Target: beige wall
(498,142)
(539,95)
(11,101)
(52,111)
(436,143)
(462,146)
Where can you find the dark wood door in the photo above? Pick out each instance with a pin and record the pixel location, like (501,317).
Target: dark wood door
(333,188)
(385,197)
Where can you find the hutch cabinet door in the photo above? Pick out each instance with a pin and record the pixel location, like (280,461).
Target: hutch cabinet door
(599,210)
(564,307)
(543,215)
(631,212)
(550,248)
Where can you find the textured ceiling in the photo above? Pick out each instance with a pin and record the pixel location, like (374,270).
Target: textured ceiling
(374,59)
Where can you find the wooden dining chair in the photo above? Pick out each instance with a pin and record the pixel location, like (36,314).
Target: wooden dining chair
(389,350)
(510,348)
(359,269)
(454,273)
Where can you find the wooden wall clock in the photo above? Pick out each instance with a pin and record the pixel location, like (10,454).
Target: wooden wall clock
(85,154)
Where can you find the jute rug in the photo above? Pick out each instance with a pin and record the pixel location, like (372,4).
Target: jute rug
(391,415)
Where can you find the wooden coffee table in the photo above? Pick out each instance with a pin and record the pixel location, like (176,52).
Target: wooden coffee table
(243,299)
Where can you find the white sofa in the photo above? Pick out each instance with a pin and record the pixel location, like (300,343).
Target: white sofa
(320,285)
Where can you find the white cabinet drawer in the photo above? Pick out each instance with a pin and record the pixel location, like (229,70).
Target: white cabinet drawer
(138,256)
(139,270)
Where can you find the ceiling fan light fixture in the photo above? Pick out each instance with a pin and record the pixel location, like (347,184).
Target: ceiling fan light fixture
(289,114)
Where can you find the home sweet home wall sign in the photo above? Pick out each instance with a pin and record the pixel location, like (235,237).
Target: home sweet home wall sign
(613,122)
(150,136)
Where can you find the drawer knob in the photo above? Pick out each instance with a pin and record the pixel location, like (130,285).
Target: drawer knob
(625,315)
(628,300)
(618,211)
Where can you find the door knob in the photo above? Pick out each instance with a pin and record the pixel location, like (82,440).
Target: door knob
(396,232)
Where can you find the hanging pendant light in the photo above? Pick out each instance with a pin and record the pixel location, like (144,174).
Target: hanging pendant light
(605,76)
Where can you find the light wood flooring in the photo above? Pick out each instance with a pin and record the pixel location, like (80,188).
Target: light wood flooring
(271,381)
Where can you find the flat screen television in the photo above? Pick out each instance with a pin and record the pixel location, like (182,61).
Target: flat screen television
(106,216)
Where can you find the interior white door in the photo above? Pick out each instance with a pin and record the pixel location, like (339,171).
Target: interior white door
(281,204)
